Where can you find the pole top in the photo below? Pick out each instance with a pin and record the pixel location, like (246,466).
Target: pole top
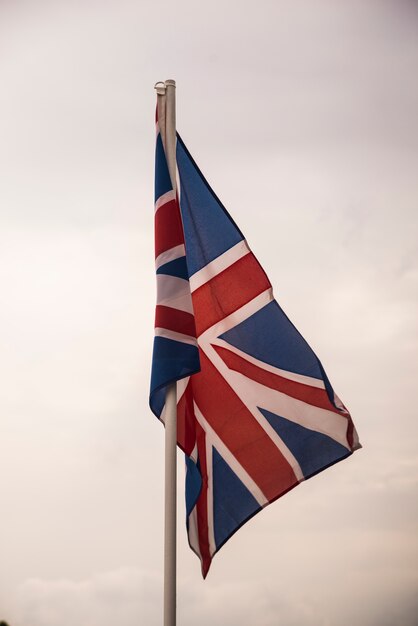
(160,88)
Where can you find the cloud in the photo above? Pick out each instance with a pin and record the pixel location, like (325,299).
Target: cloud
(130,597)
(125,596)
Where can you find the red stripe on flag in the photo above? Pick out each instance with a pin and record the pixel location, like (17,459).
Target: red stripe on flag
(202,503)
(168,227)
(350,431)
(241,432)
(228,291)
(174,319)
(190,433)
(305,393)
(186,421)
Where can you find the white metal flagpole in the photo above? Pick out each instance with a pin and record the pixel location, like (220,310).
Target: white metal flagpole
(170,521)
(166,103)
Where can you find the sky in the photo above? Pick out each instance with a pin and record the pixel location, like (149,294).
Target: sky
(303,117)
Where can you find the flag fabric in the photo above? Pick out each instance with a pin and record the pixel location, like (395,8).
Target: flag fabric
(256,413)
(175,353)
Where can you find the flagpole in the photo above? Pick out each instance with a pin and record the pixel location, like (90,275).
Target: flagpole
(166,102)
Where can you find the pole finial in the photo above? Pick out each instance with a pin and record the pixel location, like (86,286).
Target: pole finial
(160,88)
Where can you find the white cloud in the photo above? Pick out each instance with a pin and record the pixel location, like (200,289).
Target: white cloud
(126,596)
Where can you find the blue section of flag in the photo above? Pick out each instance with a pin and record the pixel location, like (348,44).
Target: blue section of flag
(162,176)
(313,450)
(178,268)
(193,484)
(269,336)
(233,504)
(208,228)
(328,386)
(172,360)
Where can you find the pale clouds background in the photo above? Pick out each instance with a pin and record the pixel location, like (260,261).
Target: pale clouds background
(303,116)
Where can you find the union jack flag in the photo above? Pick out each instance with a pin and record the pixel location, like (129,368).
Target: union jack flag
(256,413)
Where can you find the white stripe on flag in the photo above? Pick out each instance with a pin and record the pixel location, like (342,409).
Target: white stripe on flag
(252,403)
(194,533)
(170,255)
(299,378)
(172,334)
(166,197)
(174,292)
(219,264)
(182,385)
(234,464)
(237,316)
(255,395)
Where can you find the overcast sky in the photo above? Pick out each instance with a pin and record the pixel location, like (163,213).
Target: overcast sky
(303,117)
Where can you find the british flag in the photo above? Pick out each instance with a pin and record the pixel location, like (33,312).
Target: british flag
(256,413)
